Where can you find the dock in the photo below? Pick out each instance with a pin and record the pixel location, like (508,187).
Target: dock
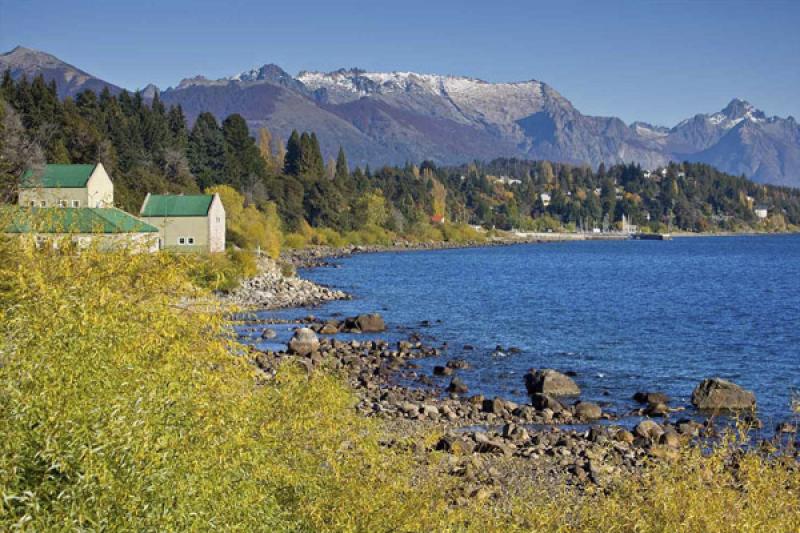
(651,236)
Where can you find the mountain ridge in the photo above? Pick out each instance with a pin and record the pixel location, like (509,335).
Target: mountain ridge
(398,116)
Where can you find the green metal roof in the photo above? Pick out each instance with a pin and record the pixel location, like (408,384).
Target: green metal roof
(57,176)
(72,220)
(177,205)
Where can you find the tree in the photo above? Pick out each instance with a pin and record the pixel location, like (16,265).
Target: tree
(243,162)
(18,152)
(206,150)
(265,148)
(294,153)
(342,172)
(547,172)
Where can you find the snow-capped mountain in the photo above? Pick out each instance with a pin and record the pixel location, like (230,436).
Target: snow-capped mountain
(394,117)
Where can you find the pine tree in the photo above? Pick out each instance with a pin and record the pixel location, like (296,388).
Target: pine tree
(317,162)
(243,162)
(342,172)
(206,151)
(294,153)
(306,155)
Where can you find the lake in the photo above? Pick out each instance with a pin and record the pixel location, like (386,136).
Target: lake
(624,315)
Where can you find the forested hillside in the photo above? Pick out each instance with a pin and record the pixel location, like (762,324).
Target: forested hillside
(278,189)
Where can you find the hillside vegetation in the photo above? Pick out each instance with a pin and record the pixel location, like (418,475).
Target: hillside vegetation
(126,405)
(282,193)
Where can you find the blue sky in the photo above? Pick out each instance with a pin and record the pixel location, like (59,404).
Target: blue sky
(659,62)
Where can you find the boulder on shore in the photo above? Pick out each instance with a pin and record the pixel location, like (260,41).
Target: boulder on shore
(304,342)
(719,394)
(372,323)
(588,411)
(543,401)
(551,382)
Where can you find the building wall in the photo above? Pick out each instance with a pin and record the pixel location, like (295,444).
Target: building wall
(138,242)
(170,229)
(100,191)
(216,225)
(52,197)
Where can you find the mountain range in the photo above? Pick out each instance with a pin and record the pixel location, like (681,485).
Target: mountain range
(390,118)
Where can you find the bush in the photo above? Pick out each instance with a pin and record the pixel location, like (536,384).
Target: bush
(461,233)
(294,240)
(123,408)
(221,272)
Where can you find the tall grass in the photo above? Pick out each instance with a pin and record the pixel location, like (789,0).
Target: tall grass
(123,407)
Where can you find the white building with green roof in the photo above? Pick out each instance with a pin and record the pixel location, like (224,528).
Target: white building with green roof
(187,222)
(66,186)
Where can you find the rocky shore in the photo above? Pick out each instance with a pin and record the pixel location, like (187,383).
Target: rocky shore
(496,444)
(317,256)
(272,288)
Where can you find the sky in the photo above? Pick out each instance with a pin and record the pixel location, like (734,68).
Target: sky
(658,62)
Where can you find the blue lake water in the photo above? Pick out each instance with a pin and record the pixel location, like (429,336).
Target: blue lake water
(624,315)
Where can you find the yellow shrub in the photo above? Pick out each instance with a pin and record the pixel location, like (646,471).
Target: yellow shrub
(294,240)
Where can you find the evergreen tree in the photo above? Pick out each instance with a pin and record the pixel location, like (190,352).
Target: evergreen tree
(342,172)
(206,151)
(293,155)
(317,162)
(243,162)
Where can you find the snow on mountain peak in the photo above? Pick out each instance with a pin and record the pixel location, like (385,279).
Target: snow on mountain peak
(736,111)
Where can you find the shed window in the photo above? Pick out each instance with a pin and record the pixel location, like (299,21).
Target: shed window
(190,240)
(181,240)
(33,203)
(42,204)
(76,203)
(62,203)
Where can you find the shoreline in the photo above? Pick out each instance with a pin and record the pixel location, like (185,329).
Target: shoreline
(564,442)
(556,439)
(317,256)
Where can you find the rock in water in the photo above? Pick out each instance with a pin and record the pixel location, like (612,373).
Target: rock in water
(652,398)
(268,334)
(304,342)
(370,323)
(457,386)
(717,393)
(550,382)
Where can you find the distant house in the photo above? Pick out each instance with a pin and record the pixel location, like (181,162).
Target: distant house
(437,219)
(71,186)
(189,223)
(545,197)
(107,227)
(761,211)
(505,180)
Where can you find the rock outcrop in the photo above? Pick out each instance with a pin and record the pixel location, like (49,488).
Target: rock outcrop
(719,394)
(550,382)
